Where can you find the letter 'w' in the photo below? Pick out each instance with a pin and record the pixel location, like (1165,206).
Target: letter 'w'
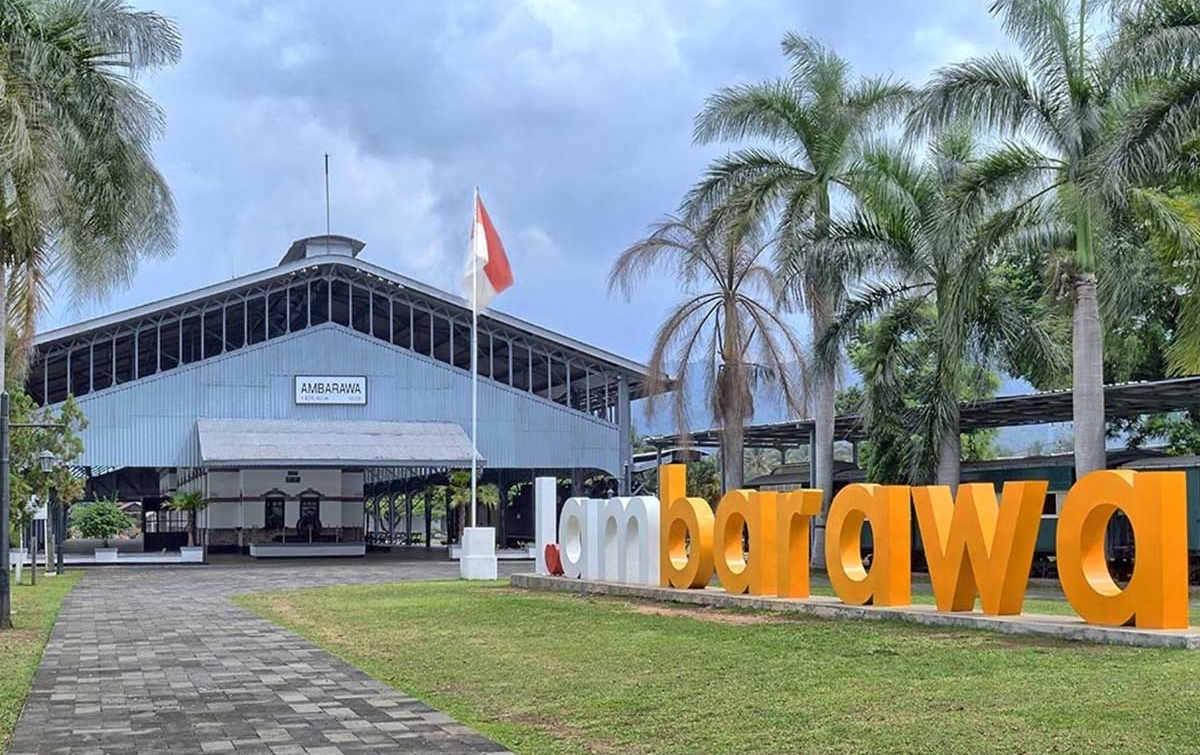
(975,546)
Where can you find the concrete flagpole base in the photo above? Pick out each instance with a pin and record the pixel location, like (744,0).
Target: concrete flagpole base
(478,558)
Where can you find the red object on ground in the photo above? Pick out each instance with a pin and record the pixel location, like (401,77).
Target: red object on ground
(553,560)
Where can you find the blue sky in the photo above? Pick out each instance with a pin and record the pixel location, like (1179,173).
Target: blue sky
(574,118)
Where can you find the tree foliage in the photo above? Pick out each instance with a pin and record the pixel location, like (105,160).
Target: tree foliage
(99,520)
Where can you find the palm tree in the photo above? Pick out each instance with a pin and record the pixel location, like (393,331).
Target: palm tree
(190,502)
(815,119)
(1089,117)
(942,289)
(726,328)
(79,193)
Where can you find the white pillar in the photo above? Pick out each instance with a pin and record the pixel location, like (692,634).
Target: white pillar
(545,526)
(477,559)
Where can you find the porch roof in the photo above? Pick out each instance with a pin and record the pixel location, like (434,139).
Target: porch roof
(323,443)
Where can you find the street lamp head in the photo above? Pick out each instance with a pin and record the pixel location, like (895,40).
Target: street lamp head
(46,460)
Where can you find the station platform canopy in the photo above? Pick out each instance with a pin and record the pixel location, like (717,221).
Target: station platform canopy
(1121,401)
(241,443)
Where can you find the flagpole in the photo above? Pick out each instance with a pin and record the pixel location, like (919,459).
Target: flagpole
(474,360)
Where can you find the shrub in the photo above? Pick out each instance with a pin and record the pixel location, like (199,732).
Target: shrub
(100,520)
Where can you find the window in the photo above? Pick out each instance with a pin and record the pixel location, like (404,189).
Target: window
(81,371)
(56,378)
(360,309)
(318,299)
(441,340)
(275,506)
(102,365)
(35,384)
(381,317)
(214,332)
(147,350)
(500,361)
(277,316)
(123,358)
(168,345)
(462,345)
(401,324)
(189,347)
(235,326)
(339,293)
(520,367)
(298,307)
(310,505)
(256,320)
(422,332)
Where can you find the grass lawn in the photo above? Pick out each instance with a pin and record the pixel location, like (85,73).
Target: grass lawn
(547,673)
(33,613)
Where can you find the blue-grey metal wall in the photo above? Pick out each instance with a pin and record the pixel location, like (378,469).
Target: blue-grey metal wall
(152,422)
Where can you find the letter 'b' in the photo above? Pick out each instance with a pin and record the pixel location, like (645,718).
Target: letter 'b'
(686,532)
(1156,505)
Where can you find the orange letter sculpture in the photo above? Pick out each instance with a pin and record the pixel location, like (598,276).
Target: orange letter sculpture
(686,532)
(1156,505)
(755,511)
(976,546)
(888,582)
(794,513)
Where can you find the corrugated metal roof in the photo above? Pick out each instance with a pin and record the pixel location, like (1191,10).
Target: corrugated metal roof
(288,267)
(331,443)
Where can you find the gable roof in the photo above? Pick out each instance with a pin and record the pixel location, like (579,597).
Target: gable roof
(292,264)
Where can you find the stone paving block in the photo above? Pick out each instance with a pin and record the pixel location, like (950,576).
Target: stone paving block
(158,660)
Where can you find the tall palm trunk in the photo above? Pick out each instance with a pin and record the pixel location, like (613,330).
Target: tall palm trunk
(950,455)
(3,326)
(1087,377)
(732,457)
(821,463)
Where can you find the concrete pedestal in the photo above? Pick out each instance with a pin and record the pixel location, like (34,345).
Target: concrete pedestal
(478,560)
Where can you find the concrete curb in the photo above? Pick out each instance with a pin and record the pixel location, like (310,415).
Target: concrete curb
(1069,628)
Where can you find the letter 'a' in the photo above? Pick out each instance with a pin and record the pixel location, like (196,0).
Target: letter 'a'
(1156,505)
(888,581)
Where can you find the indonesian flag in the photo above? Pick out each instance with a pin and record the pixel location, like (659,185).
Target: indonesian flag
(487,265)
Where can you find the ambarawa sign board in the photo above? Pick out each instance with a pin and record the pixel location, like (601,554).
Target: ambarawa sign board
(331,389)
(978,544)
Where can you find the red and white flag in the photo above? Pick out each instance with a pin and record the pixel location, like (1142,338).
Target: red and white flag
(487,265)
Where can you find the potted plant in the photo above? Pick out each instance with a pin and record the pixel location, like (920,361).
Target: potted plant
(100,521)
(191,502)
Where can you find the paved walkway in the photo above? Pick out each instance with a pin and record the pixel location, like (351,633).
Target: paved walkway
(149,661)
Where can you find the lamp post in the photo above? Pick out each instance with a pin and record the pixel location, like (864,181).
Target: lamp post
(5,496)
(46,461)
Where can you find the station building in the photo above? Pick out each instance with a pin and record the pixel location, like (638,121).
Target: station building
(318,400)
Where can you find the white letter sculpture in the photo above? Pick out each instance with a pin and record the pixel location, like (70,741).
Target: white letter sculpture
(615,539)
(545,505)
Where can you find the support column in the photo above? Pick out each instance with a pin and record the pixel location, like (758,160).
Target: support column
(625,429)
(577,482)
(502,509)
(408,512)
(428,516)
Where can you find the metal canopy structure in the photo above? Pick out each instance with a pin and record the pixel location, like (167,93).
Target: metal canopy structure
(1121,401)
(313,443)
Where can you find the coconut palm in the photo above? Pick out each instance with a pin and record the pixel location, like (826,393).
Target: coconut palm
(814,120)
(968,315)
(1090,116)
(726,331)
(79,193)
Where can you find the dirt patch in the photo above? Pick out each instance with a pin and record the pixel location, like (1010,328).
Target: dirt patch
(714,615)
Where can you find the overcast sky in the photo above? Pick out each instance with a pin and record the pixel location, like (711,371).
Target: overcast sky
(574,118)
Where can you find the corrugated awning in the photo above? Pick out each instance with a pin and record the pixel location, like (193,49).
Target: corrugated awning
(315,443)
